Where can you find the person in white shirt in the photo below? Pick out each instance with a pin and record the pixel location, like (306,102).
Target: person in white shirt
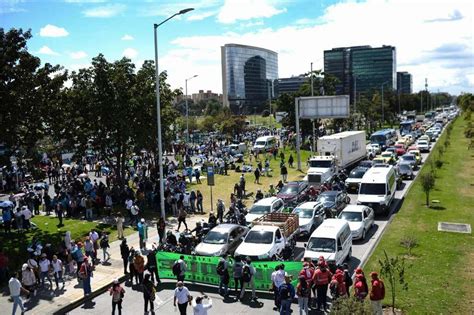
(199,308)
(27,216)
(182,296)
(45,265)
(15,289)
(57,265)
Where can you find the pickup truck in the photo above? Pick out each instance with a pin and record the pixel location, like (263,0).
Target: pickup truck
(271,237)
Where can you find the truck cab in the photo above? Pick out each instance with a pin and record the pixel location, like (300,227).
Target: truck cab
(321,169)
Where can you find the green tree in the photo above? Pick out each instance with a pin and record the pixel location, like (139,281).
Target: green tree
(427,183)
(393,269)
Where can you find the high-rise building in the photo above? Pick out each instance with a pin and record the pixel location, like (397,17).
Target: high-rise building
(248,77)
(362,69)
(205,96)
(290,85)
(404,83)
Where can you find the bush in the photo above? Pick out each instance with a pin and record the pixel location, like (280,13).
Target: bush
(438,163)
(266,113)
(409,243)
(350,305)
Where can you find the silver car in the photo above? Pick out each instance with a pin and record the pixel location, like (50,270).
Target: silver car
(222,239)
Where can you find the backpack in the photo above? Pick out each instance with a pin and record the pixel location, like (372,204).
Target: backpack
(333,288)
(347,279)
(247,276)
(284,292)
(304,291)
(220,268)
(176,268)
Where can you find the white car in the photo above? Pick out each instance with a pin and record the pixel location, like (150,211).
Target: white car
(263,242)
(311,215)
(222,239)
(374,146)
(360,218)
(423,145)
(264,206)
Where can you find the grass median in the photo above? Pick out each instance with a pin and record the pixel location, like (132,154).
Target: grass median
(440,268)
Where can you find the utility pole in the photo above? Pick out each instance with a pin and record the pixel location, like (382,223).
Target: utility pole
(270,102)
(426,92)
(312,85)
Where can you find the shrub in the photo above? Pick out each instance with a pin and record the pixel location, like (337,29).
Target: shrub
(409,243)
(350,305)
(427,183)
(438,163)
(266,113)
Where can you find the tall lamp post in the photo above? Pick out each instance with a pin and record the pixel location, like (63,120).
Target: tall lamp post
(158,113)
(187,108)
(383,111)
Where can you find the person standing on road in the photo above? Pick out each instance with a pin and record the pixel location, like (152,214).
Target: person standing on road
(377,293)
(286,293)
(120,221)
(125,253)
(85,272)
(57,266)
(220,210)
(117,293)
(160,227)
(151,264)
(199,199)
(179,268)
(182,218)
(199,308)
(182,296)
(223,272)
(142,233)
(104,245)
(28,279)
(347,278)
(138,267)
(15,289)
(149,294)
(45,266)
(237,270)
(248,279)
(284,172)
(303,292)
(321,279)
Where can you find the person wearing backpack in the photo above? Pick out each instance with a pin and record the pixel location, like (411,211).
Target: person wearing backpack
(337,286)
(179,268)
(117,293)
(286,294)
(347,278)
(377,293)
(223,272)
(303,291)
(237,270)
(248,279)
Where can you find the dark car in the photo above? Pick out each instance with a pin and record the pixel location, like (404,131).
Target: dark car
(405,170)
(355,176)
(293,192)
(333,201)
(366,163)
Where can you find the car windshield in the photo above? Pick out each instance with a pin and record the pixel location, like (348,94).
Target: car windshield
(322,164)
(260,143)
(259,237)
(404,167)
(378,139)
(289,190)
(214,237)
(259,209)
(387,154)
(422,143)
(357,173)
(326,198)
(408,157)
(317,244)
(351,216)
(304,213)
(372,189)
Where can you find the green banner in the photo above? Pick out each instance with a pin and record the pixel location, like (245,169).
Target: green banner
(202,269)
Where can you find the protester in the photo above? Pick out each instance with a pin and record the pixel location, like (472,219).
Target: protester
(182,218)
(142,233)
(160,227)
(286,294)
(223,272)
(117,293)
(278,278)
(248,278)
(28,279)
(347,278)
(86,273)
(199,308)
(57,266)
(148,294)
(179,268)
(15,288)
(377,293)
(182,296)
(45,266)
(337,286)
(138,267)
(220,210)
(303,292)
(321,279)
(151,264)
(124,253)
(237,270)
(120,221)
(104,245)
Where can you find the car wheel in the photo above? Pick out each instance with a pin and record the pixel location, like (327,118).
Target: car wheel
(363,235)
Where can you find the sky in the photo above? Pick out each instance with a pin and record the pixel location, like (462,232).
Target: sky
(433,39)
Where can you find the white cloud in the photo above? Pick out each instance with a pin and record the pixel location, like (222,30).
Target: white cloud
(376,23)
(78,55)
(45,50)
(105,11)
(305,21)
(234,10)
(130,53)
(201,16)
(127,37)
(252,24)
(53,31)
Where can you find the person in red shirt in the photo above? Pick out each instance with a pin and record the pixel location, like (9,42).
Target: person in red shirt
(308,273)
(360,287)
(377,293)
(337,286)
(321,279)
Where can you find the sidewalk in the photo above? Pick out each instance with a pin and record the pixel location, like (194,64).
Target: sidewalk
(51,301)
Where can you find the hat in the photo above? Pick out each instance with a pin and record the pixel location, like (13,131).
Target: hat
(116,281)
(374,274)
(142,220)
(43,255)
(24,266)
(180,283)
(359,270)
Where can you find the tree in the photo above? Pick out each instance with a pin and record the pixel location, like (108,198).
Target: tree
(393,269)
(427,183)
(27,93)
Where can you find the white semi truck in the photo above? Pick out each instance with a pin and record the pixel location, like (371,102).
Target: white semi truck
(336,152)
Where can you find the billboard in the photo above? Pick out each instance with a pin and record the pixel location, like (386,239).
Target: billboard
(315,107)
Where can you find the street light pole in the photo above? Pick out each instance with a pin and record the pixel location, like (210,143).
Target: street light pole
(158,112)
(187,108)
(355,100)
(312,85)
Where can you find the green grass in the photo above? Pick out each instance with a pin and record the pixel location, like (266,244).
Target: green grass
(440,270)
(254,119)
(224,185)
(15,244)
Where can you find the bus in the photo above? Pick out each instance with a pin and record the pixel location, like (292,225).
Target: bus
(384,138)
(407,127)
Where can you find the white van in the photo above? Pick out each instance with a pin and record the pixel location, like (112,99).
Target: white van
(377,188)
(264,144)
(332,240)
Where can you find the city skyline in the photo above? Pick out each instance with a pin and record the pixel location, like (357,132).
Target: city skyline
(433,41)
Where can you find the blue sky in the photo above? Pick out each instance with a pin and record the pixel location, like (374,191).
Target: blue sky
(433,41)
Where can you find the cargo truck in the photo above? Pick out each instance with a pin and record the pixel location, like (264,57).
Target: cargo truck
(335,152)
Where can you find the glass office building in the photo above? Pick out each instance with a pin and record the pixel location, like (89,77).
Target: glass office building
(290,85)
(249,75)
(362,69)
(404,83)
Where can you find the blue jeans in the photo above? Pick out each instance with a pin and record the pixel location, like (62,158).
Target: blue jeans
(45,274)
(285,307)
(86,285)
(17,301)
(222,284)
(88,214)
